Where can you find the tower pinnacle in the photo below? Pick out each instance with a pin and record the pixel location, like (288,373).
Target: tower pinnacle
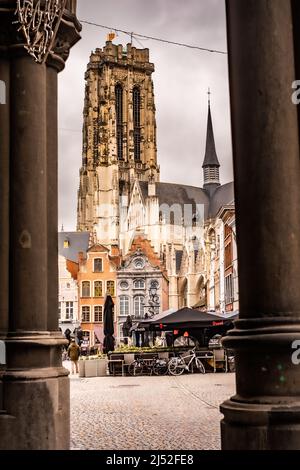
(211,163)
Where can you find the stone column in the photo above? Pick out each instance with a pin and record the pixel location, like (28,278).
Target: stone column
(4,205)
(264,413)
(35,385)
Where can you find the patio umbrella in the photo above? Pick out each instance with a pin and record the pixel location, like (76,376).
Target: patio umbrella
(108,327)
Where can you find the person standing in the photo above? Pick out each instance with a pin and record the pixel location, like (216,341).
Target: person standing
(73,352)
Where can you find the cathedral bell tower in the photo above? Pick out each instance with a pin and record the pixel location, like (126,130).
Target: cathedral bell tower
(119,136)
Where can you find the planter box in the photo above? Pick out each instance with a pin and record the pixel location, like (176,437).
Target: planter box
(81,367)
(101,367)
(91,368)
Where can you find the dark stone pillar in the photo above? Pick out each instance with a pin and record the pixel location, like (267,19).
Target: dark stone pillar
(52,188)
(264,413)
(35,385)
(4,206)
(4,196)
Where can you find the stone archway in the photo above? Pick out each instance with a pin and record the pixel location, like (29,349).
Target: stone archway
(200,293)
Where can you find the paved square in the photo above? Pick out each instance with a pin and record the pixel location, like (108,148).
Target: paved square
(148,413)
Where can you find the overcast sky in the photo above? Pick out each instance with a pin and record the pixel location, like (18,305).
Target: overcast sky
(181,79)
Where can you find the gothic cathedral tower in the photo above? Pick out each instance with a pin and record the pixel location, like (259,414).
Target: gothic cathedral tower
(119,137)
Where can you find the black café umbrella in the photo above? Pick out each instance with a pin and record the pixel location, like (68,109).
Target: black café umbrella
(108,327)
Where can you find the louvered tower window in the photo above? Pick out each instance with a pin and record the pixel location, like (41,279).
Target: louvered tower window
(137,123)
(119,120)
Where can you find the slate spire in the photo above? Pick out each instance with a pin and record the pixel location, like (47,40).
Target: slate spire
(211,163)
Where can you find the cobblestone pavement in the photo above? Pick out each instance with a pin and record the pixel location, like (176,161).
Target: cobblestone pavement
(148,413)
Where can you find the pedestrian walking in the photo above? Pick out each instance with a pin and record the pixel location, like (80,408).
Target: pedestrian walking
(73,352)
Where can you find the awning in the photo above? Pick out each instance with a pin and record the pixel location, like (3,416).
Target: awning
(188,317)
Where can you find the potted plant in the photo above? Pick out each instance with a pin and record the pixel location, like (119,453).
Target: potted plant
(101,365)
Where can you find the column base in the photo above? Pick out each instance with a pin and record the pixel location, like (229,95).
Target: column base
(265,412)
(35,394)
(248,426)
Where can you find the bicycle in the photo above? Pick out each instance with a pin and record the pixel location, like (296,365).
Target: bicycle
(140,366)
(177,365)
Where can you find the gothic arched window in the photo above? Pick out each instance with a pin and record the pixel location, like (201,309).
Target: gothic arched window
(119,120)
(137,123)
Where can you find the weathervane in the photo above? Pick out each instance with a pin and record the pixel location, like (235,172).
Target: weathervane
(39,25)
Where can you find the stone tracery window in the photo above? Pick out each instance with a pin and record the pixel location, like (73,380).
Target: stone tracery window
(137,123)
(119,120)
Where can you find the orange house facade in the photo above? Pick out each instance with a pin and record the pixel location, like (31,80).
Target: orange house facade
(96,279)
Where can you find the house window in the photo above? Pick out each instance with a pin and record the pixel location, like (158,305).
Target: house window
(139,284)
(124,305)
(110,288)
(139,306)
(86,313)
(137,123)
(66,243)
(69,310)
(86,290)
(98,289)
(98,267)
(98,316)
(59,310)
(228,254)
(228,289)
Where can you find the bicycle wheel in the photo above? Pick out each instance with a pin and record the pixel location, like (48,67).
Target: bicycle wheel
(160,367)
(135,368)
(176,366)
(200,365)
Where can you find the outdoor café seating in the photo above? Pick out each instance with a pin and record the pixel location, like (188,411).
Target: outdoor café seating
(116,364)
(128,359)
(220,359)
